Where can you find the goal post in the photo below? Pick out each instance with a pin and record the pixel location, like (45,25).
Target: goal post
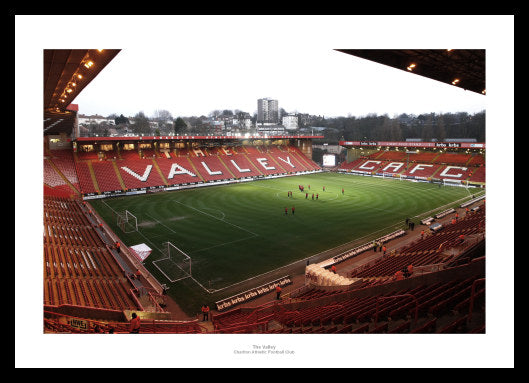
(181,259)
(175,263)
(390,175)
(127,222)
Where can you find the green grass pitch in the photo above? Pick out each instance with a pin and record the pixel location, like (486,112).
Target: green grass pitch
(238,232)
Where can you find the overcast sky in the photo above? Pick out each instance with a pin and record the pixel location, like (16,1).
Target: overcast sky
(191,65)
(320,81)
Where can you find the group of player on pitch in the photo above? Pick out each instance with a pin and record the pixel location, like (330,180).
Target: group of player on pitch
(302,190)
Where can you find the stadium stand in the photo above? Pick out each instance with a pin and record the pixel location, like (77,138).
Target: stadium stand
(240,166)
(63,161)
(84,281)
(98,175)
(84,173)
(139,173)
(456,167)
(441,306)
(210,168)
(106,175)
(453,158)
(424,157)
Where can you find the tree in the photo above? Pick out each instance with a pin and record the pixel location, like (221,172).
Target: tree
(162,115)
(179,125)
(121,120)
(141,124)
(215,113)
(427,130)
(440,132)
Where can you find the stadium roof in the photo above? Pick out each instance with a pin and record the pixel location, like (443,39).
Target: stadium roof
(66,73)
(197,137)
(464,68)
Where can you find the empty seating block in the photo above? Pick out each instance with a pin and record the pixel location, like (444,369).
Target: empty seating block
(78,268)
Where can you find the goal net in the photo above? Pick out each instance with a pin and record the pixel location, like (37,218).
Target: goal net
(174,264)
(127,222)
(390,175)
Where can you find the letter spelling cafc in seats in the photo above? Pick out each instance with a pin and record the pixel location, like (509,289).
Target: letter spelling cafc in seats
(448,168)
(238,168)
(142,178)
(394,165)
(173,172)
(419,167)
(364,165)
(264,163)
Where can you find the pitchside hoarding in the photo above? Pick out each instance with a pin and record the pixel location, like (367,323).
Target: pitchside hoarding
(409,144)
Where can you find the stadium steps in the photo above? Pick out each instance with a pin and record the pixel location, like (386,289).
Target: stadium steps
(437,171)
(311,164)
(195,169)
(470,158)
(159,171)
(62,176)
(300,159)
(244,152)
(277,163)
(118,175)
(226,166)
(93,176)
(434,160)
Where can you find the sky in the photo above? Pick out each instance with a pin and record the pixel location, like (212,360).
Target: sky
(192,65)
(323,81)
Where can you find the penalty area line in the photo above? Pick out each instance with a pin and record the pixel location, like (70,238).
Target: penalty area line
(218,219)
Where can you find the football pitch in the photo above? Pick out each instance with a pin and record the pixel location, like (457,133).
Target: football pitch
(240,233)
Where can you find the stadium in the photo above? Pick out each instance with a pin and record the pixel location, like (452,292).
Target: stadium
(391,240)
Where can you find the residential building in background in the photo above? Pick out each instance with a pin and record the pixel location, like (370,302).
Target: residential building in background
(290,122)
(267,111)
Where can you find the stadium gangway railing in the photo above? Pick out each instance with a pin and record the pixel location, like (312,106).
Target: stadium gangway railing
(265,306)
(152,294)
(262,327)
(132,293)
(272,307)
(109,247)
(253,317)
(472,295)
(89,326)
(79,324)
(323,313)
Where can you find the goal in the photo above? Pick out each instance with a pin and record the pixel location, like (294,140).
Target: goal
(175,263)
(391,175)
(127,222)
